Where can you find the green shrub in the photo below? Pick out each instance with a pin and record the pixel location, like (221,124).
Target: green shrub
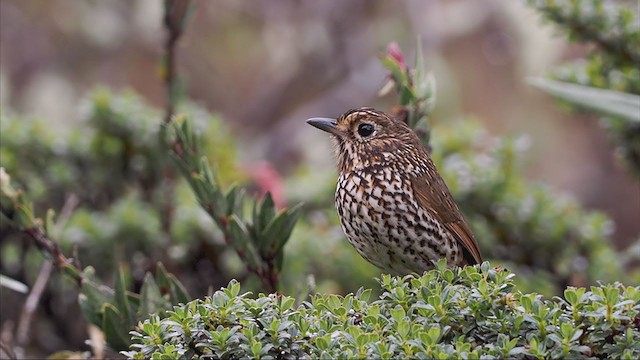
(612,29)
(467,312)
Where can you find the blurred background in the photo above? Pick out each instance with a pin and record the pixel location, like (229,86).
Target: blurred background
(254,71)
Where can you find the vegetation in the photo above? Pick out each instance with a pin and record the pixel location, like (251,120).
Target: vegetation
(446,313)
(144,202)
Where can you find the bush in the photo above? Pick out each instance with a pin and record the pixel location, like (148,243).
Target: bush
(467,312)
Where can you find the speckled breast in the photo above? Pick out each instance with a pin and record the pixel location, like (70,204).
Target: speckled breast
(384,223)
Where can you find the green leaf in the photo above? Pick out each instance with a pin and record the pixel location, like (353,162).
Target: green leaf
(115,328)
(23,216)
(241,242)
(423,81)
(151,299)
(607,102)
(234,288)
(238,207)
(88,310)
(168,284)
(398,74)
(255,218)
(267,212)
(279,260)
(571,296)
(233,197)
(92,297)
(121,295)
(162,279)
(179,293)
(278,231)
(49,222)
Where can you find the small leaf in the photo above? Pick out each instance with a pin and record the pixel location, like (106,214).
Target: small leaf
(571,296)
(397,72)
(608,102)
(92,297)
(234,287)
(279,260)
(168,283)
(151,298)
(241,242)
(49,222)
(179,293)
(267,212)
(115,328)
(232,199)
(278,231)
(121,295)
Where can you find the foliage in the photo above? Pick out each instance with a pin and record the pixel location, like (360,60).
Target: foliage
(607,102)
(259,243)
(613,64)
(107,173)
(121,203)
(415,87)
(540,234)
(114,310)
(446,313)
(612,27)
(113,154)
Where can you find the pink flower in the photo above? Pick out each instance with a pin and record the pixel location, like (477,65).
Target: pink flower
(393,50)
(269,180)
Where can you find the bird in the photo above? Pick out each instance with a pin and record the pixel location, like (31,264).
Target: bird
(394,207)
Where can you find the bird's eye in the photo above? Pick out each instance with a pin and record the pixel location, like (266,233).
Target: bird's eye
(365,130)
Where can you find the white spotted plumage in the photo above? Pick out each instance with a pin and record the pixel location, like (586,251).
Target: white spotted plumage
(385,224)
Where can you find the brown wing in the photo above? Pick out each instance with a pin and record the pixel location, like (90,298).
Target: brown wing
(433,195)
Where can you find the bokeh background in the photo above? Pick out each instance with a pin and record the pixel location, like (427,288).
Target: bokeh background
(262,68)
(267,66)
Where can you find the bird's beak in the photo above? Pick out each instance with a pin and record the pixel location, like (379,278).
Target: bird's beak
(325,124)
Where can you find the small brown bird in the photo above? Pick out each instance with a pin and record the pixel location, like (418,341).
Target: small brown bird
(393,205)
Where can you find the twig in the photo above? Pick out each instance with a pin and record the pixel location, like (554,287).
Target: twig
(31,304)
(61,262)
(175,11)
(97,341)
(8,350)
(70,204)
(6,341)
(174,18)
(44,243)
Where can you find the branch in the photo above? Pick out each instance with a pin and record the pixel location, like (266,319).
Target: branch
(16,210)
(175,17)
(30,305)
(258,243)
(8,350)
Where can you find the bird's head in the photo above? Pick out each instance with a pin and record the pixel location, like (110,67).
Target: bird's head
(365,137)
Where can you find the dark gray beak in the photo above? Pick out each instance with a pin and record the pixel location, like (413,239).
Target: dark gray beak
(324,124)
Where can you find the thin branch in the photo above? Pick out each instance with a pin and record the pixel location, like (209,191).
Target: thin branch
(8,350)
(97,341)
(6,341)
(69,206)
(174,18)
(42,241)
(31,304)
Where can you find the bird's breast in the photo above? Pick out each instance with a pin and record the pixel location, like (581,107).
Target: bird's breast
(369,193)
(383,221)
